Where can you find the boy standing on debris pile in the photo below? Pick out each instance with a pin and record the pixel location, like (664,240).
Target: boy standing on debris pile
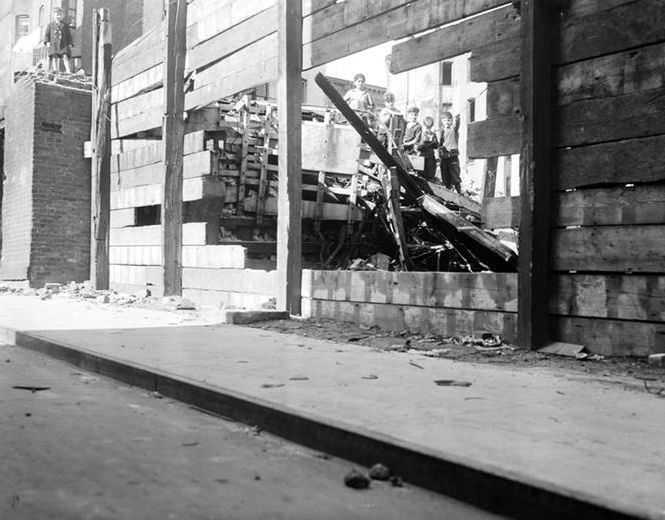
(449,152)
(428,144)
(58,40)
(358,97)
(414,131)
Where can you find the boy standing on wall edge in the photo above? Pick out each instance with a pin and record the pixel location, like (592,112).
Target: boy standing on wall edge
(58,40)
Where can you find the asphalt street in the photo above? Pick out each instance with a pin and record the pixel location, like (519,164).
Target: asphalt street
(78,445)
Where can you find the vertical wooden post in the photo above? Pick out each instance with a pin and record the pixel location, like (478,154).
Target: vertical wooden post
(537,19)
(100,137)
(173,134)
(289,112)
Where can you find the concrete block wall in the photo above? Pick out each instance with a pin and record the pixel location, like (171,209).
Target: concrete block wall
(17,190)
(46,200)
(61,186)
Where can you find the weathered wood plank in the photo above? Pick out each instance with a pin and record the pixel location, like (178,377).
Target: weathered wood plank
(642,204)
(637,249)
(473,291)
(289,108)
(233,38)
(494,62)
(254,65)
(391,25)
(252,281)
(194,165)
(224,16)
(632,115)
(503,98)
(620,162)
(329,210)
(122,218)
(143,81)
(606,31)
(194,233)
(209,256)
(628,72)
(455,198)
(150,195)
(448,42)
(142,54)
(494,137)
(425,320)
(611,337)
(501,212)
(626,297)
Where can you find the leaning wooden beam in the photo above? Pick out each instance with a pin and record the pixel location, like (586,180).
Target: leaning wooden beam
(173,135)
(538,19)
(101,152)
(289,93)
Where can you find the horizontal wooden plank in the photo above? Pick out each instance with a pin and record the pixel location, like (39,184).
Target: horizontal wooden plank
(417,16)
(329,210)
(194,233)
(149,119)
(501,212)
(450,41)
(230,299)
(234,38)
(122,218)
(141,82)
(341,15)
(611,337)
(620,162)
(475,291)
(627,297)
(137,275)
(140,55)
(194,165)
(254,65)
(137,105)
(496,61)
(249,281)
(641,204)
(453,197)
(425,320)
(127,160)
(494,137)
(632,71)
(637,249)
(638,114)
(577,8)
(503,98)
(607,31)
(151,195)
(210,256)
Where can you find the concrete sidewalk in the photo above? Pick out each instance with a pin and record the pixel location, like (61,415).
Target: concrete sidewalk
(530,444)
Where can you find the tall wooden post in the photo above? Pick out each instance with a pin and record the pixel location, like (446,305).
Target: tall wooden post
(173,134)
(538,19)
(100,137)
(289,112)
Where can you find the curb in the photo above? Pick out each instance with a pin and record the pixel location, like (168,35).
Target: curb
(492,489)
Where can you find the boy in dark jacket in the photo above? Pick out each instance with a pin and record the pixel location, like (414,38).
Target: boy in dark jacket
(428,144)
(449,152)
(58,40)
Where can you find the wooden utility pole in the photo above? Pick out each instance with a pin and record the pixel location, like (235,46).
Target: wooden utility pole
(173,134)
(100,137)
(539,22)
(289,112)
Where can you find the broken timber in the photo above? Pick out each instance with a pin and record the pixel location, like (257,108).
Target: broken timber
(487,248)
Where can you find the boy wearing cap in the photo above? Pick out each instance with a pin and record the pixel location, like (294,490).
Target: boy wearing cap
(58,40)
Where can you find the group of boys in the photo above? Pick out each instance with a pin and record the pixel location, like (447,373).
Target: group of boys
(415,138)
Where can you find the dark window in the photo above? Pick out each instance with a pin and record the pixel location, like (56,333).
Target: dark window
(471,107)
(446,73)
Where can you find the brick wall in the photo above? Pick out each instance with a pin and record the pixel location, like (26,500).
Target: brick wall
(17,192)
(60,249)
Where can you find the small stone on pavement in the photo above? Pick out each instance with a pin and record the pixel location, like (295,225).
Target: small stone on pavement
(356,480)
(379,472)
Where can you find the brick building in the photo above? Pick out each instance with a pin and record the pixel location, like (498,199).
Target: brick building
(46,199)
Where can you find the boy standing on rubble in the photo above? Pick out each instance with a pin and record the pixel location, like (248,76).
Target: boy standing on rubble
(449,152)
(58,40)
(358,97)
(414,131)
(428,144)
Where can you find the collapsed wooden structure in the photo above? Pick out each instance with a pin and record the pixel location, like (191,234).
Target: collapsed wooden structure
(590,271)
